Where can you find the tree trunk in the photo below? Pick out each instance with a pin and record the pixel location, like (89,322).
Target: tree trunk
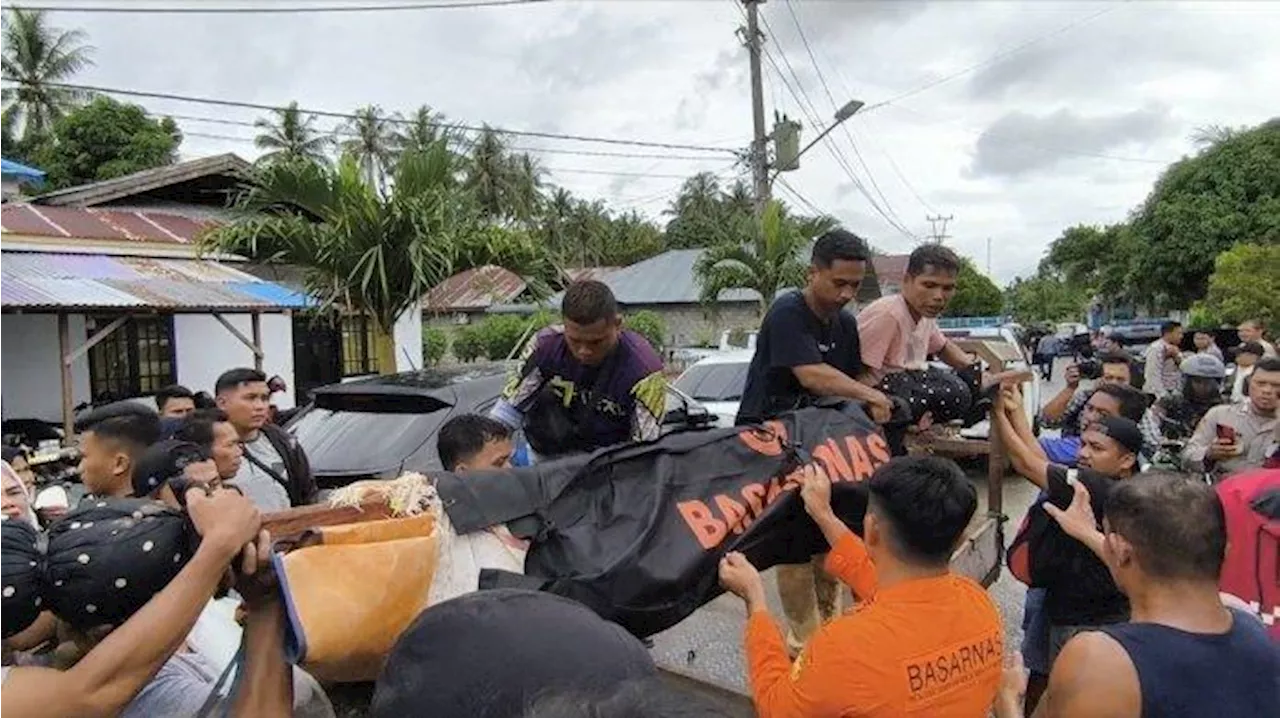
(384,344)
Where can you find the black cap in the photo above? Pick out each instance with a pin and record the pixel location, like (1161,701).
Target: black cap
(163,461)
(489,654)
(1124,432)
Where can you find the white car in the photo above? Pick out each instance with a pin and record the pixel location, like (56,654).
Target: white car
(717,381)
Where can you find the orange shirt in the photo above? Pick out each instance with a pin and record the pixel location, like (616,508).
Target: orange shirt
(928,647)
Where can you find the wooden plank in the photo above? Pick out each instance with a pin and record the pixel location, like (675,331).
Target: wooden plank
(69,358)
(64,348)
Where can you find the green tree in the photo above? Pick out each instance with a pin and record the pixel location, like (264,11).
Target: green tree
(704,215)
(1227,193)
(1246,284)
(976,295)
(435,344)
(1045,299)
(767,262)
(102,140)
(370,142)
(422,129)
(362,250)
(36,57)
(507,185)
(291,136)
(649,325)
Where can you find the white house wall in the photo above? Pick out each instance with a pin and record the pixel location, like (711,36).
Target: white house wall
(205,349)
(30,376)
(408,335)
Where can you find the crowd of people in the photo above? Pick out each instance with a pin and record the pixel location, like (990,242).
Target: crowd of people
(127,604)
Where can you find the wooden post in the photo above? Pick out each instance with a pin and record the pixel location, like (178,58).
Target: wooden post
(256,319)
(995,465)
(64,351)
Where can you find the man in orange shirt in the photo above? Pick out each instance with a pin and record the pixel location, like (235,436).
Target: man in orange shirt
(922,641)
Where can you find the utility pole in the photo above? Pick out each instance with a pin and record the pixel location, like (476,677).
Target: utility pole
(936,234)
(988,256)
(759,144)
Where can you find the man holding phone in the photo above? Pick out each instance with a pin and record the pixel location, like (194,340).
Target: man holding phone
(1234,437)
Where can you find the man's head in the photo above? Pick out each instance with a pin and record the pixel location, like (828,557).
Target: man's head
(1251,330)
(243,395)
(175,401)
(1116,368)
(1114,400)
(931,276)
(1112,344)
(1202,339)
(110,449)
(836,269)
(591,321)
(1264,385)
(211,431)
(1164,527)
(1202,378)
(471,441)
(1171,332)
(918,510)
(1248,354)
(1110,446)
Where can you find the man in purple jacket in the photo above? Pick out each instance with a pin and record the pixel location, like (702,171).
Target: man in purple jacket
(587,384)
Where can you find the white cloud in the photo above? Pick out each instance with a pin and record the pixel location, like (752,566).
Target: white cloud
(674,71)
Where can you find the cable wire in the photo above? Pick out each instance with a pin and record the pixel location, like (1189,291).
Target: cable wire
(391,120)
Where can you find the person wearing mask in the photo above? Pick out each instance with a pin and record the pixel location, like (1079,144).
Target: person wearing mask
(275,473)
(807,349)
(1183,654)
(916,615)
(1205,343)
(111,677)
(175,402)
(1253,330)
(110,448)
(1247,356)
(1078,591)
(587,384)
(899,332)
(1160,373)
(1175,416)
(1235,437)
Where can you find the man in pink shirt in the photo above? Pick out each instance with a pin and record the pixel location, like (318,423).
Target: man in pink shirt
(898,333)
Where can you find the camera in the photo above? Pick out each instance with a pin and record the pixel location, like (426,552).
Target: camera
(1089,368)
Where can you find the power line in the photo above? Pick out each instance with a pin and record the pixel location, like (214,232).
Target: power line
(994,58)
(263,9)
(338,131)
(391,120)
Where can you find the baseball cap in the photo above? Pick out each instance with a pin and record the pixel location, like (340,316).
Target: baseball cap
(1124,432)
(488,654)
(163,461)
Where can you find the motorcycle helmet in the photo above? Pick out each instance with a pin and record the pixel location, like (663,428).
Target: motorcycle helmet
(1204,366)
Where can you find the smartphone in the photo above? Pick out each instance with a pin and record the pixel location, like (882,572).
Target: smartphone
(1227,434)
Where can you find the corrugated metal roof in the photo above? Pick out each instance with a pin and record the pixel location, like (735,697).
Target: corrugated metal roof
(45,281)
(576,274)
(107,224)
(95,193)
(475,289)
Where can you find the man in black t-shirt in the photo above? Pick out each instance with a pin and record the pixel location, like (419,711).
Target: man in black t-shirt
(808,349)
(1080,592)
(808,344)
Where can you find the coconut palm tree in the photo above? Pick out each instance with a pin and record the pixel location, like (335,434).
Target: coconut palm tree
(422,129)
(773,259)
(362,249)
(370,141)
(291,136)
(36,57)
(507,186)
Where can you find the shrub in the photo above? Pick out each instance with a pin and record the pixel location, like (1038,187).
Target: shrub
(435,344)
(467,344)
(649,325)
(499,334)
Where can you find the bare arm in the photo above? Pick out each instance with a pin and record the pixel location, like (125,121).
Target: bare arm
(267,686)
(1092,678)
(1052,412)
(955,357)
(826,380)
(1078,520)
(1027,461)
(111,674)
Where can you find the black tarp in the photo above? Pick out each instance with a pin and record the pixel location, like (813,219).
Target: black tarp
(636,532)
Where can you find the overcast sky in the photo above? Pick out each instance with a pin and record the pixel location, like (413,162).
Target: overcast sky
(1019,119)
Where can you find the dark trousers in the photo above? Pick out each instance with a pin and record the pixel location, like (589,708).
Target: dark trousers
(948,395)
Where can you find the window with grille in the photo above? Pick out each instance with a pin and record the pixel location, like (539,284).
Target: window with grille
(136,359)
(359,355)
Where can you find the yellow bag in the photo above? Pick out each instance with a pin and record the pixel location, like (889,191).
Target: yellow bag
(351,590)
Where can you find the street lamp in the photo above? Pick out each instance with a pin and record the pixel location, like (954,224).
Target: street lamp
(849,109)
